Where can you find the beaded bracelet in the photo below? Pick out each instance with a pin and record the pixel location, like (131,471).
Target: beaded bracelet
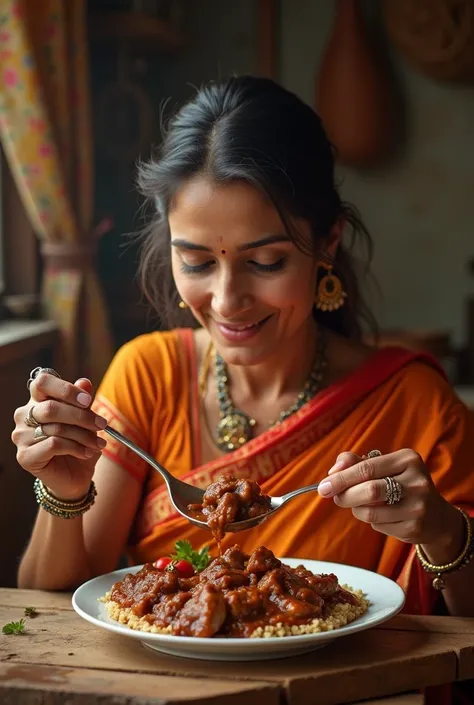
(465,557)
(61,508)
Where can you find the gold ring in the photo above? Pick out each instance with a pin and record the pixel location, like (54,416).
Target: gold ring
(30,419)
(374,454)
(39,434)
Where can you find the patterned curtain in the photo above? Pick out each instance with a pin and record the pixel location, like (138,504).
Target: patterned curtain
(45,129)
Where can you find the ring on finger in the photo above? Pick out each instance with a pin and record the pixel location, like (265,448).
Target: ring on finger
(38,370)
(39,434)
(393,491)
(30,419)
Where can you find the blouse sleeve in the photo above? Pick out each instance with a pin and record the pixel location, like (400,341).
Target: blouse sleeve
(128,397)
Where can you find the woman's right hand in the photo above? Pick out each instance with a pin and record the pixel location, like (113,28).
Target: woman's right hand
(64,461)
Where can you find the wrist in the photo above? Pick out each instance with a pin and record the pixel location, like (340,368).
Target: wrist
(450,540)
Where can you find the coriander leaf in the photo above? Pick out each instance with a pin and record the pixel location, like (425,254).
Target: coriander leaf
(14,627)
(198,559)
(30,612)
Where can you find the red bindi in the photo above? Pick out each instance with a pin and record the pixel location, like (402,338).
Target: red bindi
(223,252)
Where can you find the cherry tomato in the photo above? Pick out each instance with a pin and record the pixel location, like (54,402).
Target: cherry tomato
(184,569)
(162,563)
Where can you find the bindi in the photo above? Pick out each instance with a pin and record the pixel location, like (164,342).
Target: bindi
(223,252)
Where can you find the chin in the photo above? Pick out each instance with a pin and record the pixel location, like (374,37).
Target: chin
(243,356)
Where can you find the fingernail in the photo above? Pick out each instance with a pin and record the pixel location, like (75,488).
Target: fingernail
(325,489)
(84,399)
(337,466)
(100,422)
(101,442)
(89,452)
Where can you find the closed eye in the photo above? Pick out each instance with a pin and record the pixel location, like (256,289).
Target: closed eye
(195,268)
(274,267)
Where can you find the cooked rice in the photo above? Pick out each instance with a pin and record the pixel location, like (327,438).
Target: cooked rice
(339,616)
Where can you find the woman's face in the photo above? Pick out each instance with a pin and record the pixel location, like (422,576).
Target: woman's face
(237,270)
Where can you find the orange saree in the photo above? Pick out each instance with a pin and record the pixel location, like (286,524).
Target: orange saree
(395,400)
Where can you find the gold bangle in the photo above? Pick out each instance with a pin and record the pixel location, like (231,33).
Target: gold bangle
(465,557)
(61,508)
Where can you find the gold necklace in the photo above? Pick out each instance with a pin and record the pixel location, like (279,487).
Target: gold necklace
(235,427)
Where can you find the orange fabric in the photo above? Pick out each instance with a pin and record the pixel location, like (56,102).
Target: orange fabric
(395,400)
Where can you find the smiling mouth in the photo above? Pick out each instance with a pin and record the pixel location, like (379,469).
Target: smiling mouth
(243,326)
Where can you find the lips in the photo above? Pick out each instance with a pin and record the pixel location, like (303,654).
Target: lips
(240,331)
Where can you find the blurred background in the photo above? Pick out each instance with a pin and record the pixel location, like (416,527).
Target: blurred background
(84,89)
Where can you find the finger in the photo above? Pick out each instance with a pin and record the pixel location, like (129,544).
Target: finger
(85,384)
(384,514)
(53,411)
(345,460)
(365,493)
(366,470)
(37,456)
(46,386)
(73,433)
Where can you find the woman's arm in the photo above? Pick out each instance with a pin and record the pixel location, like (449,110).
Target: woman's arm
(62,553)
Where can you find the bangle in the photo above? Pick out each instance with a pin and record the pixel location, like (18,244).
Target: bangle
(465,557)
(63,508)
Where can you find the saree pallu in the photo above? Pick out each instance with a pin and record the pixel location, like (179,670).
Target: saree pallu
(396,399)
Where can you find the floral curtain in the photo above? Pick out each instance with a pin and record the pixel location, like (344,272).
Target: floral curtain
(45,129)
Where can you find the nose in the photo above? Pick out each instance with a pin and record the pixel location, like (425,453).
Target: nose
(230,297)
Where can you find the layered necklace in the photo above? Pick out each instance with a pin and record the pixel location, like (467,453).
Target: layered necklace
(235,427)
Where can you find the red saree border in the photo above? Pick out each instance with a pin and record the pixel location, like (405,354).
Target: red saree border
(114,450)
(266,454)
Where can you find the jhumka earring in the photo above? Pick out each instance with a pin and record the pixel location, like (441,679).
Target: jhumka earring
(183,304)
(330,294)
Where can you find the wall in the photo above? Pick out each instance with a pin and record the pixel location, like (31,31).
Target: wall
(420,211)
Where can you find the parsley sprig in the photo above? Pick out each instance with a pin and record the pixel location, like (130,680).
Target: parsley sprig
(30,612)
(14,627)
(198,559)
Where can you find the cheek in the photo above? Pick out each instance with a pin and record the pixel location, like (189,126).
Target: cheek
(193,290)
(293,291)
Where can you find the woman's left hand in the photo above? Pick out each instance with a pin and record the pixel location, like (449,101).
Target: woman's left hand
(421,515)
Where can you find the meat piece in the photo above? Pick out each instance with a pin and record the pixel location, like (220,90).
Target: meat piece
(168,607)
(247,490)
(140,591)
(203,615)
(235,558)
(262,560)
(224,514)
(186,584)
(295,608)
(257,509)
(272,582)
(217,489)
(325,585)
(219,574)
(245,603)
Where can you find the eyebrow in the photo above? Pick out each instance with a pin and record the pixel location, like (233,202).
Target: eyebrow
(268,240)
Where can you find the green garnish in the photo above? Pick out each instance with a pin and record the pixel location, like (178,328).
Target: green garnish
(198,559)
(30,612)
(14,627)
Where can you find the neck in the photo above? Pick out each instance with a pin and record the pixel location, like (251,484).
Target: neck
(284,373)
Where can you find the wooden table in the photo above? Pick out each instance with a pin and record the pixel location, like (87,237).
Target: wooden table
(61,656)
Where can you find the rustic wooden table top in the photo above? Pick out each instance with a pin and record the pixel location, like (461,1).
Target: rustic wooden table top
(61,655)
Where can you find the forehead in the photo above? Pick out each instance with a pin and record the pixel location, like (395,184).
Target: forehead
(202,207)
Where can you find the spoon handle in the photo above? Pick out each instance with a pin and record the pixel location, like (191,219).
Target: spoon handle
(136,449)
(296,493)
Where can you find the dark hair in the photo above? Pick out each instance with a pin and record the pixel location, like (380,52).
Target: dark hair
(251,129)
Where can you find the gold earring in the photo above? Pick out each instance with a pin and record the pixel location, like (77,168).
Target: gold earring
(183,304)
(330,294)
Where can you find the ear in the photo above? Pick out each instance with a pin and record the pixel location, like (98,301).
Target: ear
(334,239)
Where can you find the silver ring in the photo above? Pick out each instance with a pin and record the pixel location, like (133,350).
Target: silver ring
(30,419)
(38,370)
(394,491)
(39,434)
(373,454)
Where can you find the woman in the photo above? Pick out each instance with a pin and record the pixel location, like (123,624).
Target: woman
(273,384)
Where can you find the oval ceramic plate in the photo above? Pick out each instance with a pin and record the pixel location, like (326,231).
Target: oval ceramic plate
(385,596)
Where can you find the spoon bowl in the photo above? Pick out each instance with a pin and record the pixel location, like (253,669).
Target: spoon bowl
(182,494)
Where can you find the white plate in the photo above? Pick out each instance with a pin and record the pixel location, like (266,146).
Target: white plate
(385,596)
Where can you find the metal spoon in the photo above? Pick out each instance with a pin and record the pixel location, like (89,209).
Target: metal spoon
(183,494)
